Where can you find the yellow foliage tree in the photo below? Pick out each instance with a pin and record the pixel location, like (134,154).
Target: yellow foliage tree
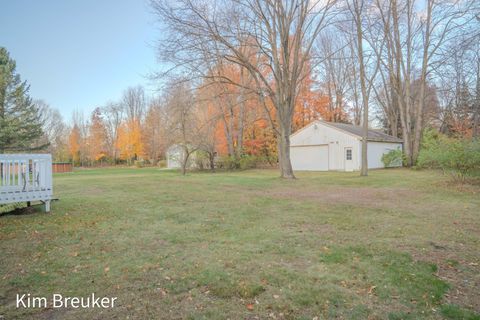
(74,145)
(130,141)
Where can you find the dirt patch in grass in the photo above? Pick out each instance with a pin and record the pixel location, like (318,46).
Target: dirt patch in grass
(462,275)
(469,186)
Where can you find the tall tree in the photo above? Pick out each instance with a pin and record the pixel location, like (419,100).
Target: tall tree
(20,121)
(415,35)
(55,131)
(183,122)
(97,136)
(282,33)
(153,131)
(130,137)
(74,143)
(357,13)
(113,119)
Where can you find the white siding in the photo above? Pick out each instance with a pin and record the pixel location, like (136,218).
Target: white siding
(310,158)
(376,150)
(336,140)
(174,156)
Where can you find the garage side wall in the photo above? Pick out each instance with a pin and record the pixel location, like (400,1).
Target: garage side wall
(326,138)
(377,149)
(174,156)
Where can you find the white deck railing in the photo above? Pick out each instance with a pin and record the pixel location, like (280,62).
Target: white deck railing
(25,178)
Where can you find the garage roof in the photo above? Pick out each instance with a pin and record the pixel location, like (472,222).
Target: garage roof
(373,135)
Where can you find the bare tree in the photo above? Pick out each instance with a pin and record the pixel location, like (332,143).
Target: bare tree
(113,113)
(476,110)
(458,82)
(414,39)
(356,7)
(154,130)
(54,130)
(361,19)
(78,121)
(337,73)
(134,102)
(182,120)
(281,33)
(206,129)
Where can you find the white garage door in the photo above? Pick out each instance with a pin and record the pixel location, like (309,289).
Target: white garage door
(312,158)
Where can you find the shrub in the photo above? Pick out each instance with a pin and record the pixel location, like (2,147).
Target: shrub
(459,157)
(242,163)
(162,163)
(201,159)
(139,163)
(228,163)
(249,162)
(393,158)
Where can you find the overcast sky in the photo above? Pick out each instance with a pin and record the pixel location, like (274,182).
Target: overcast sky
(79,54)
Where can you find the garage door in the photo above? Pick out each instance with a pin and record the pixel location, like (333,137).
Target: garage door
(312,158)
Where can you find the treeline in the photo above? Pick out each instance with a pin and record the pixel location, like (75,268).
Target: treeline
(220,120)
(403,64)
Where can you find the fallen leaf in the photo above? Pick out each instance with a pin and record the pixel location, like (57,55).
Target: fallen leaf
(370,291)
(250,306)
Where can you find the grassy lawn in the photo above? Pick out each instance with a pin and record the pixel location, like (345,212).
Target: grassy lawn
(399,244)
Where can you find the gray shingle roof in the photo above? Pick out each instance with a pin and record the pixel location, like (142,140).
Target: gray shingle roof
(373,135)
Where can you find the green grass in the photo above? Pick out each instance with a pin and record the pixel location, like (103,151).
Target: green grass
(397,244)
(451,311)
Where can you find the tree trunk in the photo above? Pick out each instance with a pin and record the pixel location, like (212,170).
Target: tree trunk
(284,154)
(211,157)
(241,117)
(418,124)
(363,86)
(186,155)
(228,134)
(476,106)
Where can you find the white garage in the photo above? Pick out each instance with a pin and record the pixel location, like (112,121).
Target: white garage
(324,146)
(310,157)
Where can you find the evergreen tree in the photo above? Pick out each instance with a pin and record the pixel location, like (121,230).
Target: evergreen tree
(20,121)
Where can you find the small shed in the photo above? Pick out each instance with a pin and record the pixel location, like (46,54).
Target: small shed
(175,155)
(329,146)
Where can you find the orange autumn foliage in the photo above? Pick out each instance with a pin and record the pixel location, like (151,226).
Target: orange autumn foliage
(242,113)
(309,106)
(74,144)
(129,141)
(97,137)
